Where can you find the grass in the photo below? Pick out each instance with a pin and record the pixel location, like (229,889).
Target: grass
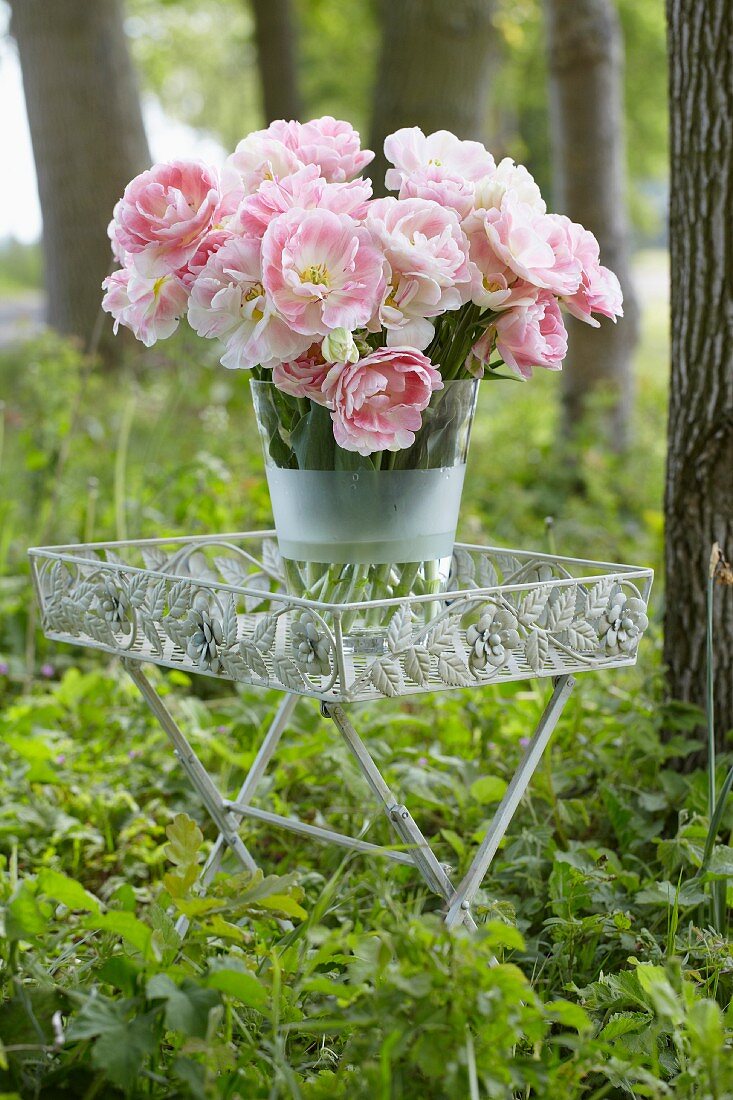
(21,267)
(610,980)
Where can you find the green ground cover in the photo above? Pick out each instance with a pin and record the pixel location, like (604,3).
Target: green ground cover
(611,980)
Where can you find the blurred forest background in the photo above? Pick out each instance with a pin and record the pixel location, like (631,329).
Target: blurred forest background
(600,896)
(203,85)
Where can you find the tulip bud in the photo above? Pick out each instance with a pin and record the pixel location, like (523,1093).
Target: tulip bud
(339,347)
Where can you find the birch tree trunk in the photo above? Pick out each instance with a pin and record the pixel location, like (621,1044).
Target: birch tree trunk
(88,141)
(589,166)
(433,71)
(277,61)
(699,487)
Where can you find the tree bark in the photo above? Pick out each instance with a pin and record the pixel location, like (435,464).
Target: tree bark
(433,71)
(589,166)
(277,60)
(88,142)
(699,485)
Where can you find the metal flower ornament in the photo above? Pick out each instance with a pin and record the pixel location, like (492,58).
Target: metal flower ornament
(205,635)
(115,606)
(623,624)
(312,647)
(491,637)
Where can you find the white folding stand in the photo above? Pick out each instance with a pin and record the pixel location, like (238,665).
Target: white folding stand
(226,813)
(217,606)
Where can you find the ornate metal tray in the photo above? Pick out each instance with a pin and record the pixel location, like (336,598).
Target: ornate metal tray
(217,605)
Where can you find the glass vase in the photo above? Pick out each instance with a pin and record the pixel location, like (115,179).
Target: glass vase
(352,529)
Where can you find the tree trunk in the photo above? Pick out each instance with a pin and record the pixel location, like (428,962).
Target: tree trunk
(88,141)
(433,71)
(699,488)
(589,167)
(277,61)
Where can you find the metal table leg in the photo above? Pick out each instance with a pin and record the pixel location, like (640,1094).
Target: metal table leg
(246,791)
(197,773)
(400,817)
(254,775)
(227,813)
(476,873)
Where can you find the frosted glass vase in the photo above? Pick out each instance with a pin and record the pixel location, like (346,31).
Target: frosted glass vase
(353,528)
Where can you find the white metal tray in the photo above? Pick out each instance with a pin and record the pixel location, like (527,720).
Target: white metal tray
(217,605)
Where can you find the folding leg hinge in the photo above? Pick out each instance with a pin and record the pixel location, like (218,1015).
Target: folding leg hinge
(422,854)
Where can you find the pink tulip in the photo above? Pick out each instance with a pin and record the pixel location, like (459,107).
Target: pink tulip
(321,270)
(210,244)
(599,290)
(534,245)
(149,307)
(304,189)
(266,155)
(532,336)
(304,376)
(284,147)
(427,254)
(508,176)
(164,213)
(441,154)
(448,190)
(229,303)
(479,356)
(377,402)
(118,251)
(231,194)
(334,147)
(494,286)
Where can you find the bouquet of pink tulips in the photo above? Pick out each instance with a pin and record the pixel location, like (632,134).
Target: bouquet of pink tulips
(360,306)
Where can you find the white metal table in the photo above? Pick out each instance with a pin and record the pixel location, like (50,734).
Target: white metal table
(218,606)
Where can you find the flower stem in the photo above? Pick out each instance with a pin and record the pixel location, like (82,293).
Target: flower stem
(432,585)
